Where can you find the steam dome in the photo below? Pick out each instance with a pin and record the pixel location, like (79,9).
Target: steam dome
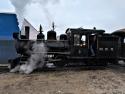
(63,37)
(51,35)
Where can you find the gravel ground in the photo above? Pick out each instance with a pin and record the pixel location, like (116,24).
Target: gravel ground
(107,81)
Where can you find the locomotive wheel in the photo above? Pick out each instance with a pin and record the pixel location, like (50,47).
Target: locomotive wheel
(13,63)
(60,63)
(103,63)
(96,63)
(115,62)
(91,62)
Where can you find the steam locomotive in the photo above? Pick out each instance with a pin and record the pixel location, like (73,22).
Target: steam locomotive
(91,47)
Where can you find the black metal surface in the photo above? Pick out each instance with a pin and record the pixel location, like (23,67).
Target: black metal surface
(106,46)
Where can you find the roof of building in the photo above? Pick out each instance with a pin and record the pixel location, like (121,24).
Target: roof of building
(8,25)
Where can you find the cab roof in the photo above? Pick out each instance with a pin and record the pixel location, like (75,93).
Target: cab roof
(84,31)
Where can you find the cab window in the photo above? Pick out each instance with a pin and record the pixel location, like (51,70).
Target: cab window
(76,40)
(79,40)
(83,40)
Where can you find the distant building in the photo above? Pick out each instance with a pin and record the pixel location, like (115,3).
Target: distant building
(31,33)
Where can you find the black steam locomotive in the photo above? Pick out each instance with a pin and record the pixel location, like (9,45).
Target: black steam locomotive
(89,46)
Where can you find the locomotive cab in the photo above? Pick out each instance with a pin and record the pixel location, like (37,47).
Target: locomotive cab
(94,47)
(83,42)
(84,46)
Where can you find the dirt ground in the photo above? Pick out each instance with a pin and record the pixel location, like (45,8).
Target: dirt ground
(106,81)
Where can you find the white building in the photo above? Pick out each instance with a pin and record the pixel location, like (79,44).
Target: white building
(32,31)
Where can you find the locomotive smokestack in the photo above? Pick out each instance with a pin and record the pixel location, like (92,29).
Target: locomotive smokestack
(40,36)
(27,30)
(40,29)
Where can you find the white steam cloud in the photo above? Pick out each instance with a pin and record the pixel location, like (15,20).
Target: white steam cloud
(21,7)
(36,60)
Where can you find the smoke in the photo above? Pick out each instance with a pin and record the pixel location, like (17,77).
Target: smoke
(21,7)
(36,60)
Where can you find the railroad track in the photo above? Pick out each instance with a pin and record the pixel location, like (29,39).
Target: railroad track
(5,69)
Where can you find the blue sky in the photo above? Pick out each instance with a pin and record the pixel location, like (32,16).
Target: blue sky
(5,6)
(103,14)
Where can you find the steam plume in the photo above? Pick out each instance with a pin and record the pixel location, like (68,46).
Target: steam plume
(36,60)
(21,7)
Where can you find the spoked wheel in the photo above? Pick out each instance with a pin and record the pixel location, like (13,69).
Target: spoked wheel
(61,61)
